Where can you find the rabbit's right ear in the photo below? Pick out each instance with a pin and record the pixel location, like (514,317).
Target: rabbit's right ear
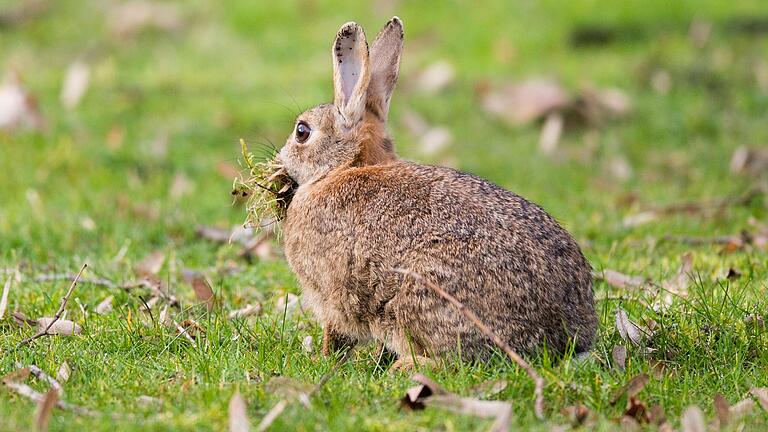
(386,51)
(351,73)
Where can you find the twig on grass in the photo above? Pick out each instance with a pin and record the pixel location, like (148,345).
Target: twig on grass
(470,315)
(127,286)
(280,406)
(12,382)
(64,300)
(43,376)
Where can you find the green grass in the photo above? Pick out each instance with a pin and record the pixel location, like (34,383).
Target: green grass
(242,71)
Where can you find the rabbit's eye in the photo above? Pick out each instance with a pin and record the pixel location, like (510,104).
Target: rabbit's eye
(302,132)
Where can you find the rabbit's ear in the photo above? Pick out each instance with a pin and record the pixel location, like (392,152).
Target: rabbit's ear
(386,51)
(351,72)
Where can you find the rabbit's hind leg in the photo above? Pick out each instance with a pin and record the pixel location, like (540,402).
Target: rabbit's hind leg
(411,363)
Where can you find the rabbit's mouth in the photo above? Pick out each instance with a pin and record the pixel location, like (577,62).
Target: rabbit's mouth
(269,189)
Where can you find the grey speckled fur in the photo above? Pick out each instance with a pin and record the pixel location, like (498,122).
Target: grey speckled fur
(360,212)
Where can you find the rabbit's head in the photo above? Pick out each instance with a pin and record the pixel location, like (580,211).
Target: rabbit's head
(351,131)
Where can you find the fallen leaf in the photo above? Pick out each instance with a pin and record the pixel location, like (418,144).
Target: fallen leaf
(131,18)
(64,372)
(4,298)
(60,327)
(192,328)
(761,393)
(247,311)
(105,306)
(628,330)
(577,414)
(550,133)
(637,410)
(307,344)
(488,389)
(722,409)
(751,161)
(619,355)
(17,375)
(693,420)
(151,264)
(181,186)
(288,304)
(75,84)
(431,394)
(641,218)
(44,410)
(632,387)
(742,408)
(732,274)
(238,417)
(524,102)
(272,415)
(289,388)
(145,400)
(21,320)
(435,77)
(621,280)
(202,288)
(18,109)
(678,284)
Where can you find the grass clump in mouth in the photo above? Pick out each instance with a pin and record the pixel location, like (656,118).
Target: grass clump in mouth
(267,188)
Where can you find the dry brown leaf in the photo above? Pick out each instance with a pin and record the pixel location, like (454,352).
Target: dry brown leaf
(202,288)
(288,304)
(238,417)
(307,344)
(722,409)
(64,372)
(750,161)
(181,186)
(247,311)
(632,387)
(678,284)
(641,218)
(75,84)
(272,415)
(637,410)
(621,280)
(488,388)
(18,109)
(289,388)
(550,133)
(435,77)
(21,320)
(432,394)
(577,414)
(15,376)
(4,298)
(693,420)
(60,327)
(151,264)
(741,408)
(105,306)
(628,330)
(148,401)
(131,18)
(761,393)
(619,355)
(44,410)
(524,102)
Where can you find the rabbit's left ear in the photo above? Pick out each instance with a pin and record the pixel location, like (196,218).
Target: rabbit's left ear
(351,72)
(386,51)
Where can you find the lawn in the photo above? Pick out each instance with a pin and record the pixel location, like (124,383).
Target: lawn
(149,153)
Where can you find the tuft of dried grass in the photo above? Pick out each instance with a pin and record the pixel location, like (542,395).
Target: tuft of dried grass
(267,188)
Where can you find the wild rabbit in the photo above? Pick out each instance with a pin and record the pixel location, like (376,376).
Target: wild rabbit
(359,215)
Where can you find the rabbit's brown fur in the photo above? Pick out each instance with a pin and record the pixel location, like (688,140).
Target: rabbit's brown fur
(360,213)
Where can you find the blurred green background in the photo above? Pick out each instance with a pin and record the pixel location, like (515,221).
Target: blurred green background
(150,150)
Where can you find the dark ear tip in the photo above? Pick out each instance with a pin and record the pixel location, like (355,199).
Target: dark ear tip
(396,21)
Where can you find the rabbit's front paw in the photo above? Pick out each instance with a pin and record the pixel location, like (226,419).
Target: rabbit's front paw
(334,341)
(411,363)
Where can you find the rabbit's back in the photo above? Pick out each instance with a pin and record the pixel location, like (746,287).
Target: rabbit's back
(499,254)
